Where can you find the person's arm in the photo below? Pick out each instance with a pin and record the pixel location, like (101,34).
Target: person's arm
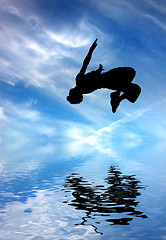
(88,57)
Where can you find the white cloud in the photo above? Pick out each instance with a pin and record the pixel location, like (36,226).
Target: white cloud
(21,10)
(44,129)
(15,140)
(40,59)
(68,39)
(124,10)
(28,128)
(27,56)
(83,34)
(107,139)
(9,8)
(47,149)
(21,111)
(2,114)
(158,22)
(47,135)
(160,7)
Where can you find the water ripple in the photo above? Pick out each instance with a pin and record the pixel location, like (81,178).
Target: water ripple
(116,201)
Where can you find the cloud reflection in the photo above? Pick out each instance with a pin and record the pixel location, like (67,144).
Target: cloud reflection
(116,201)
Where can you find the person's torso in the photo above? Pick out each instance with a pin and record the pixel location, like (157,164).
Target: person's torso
(114,79)
(88,82)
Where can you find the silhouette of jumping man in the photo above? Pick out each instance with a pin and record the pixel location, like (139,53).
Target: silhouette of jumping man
(119,79)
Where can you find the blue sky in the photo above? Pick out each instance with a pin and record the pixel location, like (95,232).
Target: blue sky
(43,44)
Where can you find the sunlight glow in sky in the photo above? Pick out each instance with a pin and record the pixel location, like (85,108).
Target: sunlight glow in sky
(43,44)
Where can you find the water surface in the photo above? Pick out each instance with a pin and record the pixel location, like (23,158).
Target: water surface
(93,196)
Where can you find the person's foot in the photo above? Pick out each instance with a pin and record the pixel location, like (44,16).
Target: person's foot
(115,101)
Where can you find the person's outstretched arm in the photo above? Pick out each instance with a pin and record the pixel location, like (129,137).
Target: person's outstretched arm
(88,57)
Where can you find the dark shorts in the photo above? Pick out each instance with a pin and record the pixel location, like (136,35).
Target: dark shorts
(118,78)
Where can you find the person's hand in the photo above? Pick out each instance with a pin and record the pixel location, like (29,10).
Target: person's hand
(94,45)
(101,67)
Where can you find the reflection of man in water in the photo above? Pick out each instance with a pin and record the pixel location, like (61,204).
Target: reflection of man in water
(117,200)
(118,79)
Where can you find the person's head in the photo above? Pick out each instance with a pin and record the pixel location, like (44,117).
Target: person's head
(75,97)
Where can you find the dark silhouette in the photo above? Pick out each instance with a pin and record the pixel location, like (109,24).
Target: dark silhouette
(118,79)
(116,198)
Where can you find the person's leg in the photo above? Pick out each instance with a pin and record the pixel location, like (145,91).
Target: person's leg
(131,93)
(115,100)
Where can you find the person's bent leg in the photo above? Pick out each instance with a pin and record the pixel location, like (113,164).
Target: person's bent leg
(132,92)
(115,100)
